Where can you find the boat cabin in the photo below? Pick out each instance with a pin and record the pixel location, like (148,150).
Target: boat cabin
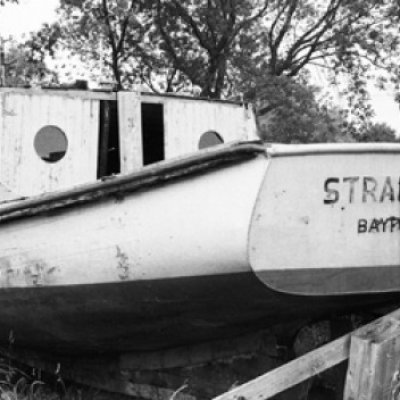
(54,139)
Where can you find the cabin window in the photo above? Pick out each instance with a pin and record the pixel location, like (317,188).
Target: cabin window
(50,143)
(152,133)
(209,139)
(109,149)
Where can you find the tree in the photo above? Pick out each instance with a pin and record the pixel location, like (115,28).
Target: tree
(4,2)
(291,113)
(378,132)
(106,31)
(229,48)
(201,38)
(23,66)
(351,39)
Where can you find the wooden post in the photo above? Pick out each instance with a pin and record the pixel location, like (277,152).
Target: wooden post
(130,131)
(374,365)
(374,370)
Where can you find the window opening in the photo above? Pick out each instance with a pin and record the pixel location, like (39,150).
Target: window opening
(109,149)
(209,139)
(50,143)
(152,133)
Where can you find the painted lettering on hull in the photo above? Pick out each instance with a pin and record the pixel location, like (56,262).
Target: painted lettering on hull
(378,225)
(361,189)
(353,190)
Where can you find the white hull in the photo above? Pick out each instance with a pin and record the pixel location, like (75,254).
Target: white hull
(184,229)
(212,245)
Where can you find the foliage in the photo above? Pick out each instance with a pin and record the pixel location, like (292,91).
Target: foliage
(104,33)
(225,47)
(201,39)
(19,382)
(24,65)
(3,2)
(378,132)
(15,384)
(232,48)
(290,112)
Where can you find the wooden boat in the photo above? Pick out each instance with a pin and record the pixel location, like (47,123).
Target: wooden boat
(213,244)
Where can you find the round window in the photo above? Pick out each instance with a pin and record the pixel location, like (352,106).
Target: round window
(50,143)
(209,139)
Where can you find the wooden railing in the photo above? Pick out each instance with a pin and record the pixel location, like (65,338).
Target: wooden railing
(373,373)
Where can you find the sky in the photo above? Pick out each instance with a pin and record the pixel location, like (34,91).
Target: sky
(29,15)
(26,16)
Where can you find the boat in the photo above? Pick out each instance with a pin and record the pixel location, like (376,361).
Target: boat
(115,241)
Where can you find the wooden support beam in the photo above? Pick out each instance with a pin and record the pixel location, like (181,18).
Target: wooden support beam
(291,373)
(374,365)
(383,364)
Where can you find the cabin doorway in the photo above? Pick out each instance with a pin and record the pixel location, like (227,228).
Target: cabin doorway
(109,151)
(152,133)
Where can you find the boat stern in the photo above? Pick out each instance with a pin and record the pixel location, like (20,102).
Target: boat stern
(327,220)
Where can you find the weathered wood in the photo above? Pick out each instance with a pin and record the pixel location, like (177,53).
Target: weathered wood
(374,367)
(22,115)
(149,176)
(130,131)
(74,93)
(186,121)
(292,373)
(384,330)
(200,353)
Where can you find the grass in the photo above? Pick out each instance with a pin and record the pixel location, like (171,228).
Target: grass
(19,382)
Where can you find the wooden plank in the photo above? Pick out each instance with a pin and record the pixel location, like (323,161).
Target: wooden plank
(374,370)
(292,373)
(198,354)
(186,121)
(323,358)
(23,115)
(82,94)
(130,131)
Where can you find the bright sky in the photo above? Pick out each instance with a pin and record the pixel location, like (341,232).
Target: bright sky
(26,16)
(386,109)
(29,15)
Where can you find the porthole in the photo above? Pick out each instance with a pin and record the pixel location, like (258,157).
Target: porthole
(50,143)
(209,139)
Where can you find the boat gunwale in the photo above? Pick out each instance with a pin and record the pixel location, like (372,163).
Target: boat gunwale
(118,185)
(287,150)
(168,170)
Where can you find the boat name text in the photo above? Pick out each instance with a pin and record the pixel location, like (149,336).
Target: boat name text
(377,225)
(362,189)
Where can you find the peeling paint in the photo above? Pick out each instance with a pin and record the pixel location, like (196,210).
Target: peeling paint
(51,270)
(123,264)
(9,113)
(305,220)
(34,273)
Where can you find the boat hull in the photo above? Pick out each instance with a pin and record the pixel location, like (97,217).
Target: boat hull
(213,246)
(158,314)
(327,220)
